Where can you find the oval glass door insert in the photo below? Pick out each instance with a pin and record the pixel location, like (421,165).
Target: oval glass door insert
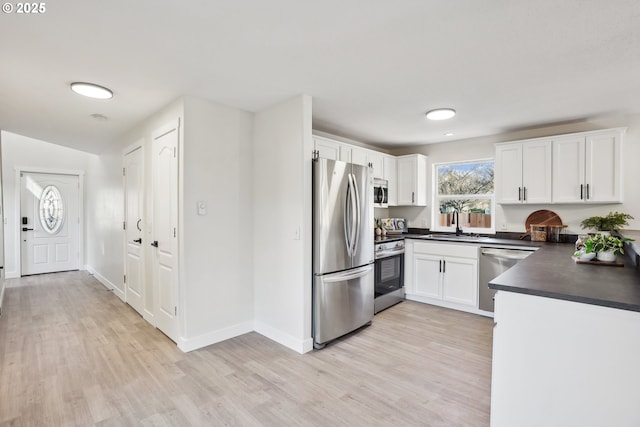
(51,209)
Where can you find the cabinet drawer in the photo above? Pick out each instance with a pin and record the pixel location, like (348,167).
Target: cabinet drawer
(461,250)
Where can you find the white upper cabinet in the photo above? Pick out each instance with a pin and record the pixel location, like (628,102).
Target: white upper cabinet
(376,161)
(326,148)
(391,175)
(373,159)
(587,167)
(336,150)
(523,172)
(412,180)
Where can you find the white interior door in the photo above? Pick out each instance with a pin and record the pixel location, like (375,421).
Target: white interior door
(133,205)
(165,226)
(49,222)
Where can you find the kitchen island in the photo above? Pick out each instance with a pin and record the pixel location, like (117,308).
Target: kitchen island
(566,343)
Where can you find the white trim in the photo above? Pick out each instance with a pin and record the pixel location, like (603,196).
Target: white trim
(106,282)
(139,145)
(18,193)
(190,344)
(295,344)
(436,198)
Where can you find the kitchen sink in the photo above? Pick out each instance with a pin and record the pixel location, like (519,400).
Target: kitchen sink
(454,237)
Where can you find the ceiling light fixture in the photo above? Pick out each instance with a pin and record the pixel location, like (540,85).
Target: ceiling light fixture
(441,114)
(91,90)
(448,134)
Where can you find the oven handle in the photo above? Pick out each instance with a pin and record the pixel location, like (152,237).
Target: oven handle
(390,253)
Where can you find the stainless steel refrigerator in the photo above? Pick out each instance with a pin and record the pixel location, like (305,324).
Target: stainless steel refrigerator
(343,256)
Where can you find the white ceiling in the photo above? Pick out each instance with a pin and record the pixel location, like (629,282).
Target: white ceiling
(373,67)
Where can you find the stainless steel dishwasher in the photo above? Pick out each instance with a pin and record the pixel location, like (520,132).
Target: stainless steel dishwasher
(494,262)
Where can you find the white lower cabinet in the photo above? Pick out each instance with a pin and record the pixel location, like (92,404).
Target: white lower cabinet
(563,363)
(442,274)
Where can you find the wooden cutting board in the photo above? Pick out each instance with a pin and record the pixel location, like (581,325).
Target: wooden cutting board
(542,217)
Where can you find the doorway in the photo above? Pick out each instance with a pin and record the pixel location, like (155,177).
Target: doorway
(133,171)
(49,222)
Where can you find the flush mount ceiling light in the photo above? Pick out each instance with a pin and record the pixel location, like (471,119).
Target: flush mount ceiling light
(448,134)
(441,114)
(91,90)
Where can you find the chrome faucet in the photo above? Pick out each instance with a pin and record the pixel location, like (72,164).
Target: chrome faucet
(456,221)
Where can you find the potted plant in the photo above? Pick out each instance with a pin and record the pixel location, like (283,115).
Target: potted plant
(612,222)
(606,247)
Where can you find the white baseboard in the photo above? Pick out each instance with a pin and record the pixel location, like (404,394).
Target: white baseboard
(1,296)
(190,344)
(11,275)
(447,304)
(106,282)
(300,346)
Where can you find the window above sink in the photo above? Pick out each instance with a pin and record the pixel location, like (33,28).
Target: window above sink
(468,189)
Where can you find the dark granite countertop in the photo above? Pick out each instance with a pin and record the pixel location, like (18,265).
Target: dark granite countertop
(551,272)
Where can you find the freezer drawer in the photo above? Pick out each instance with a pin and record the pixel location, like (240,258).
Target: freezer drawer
(342,302)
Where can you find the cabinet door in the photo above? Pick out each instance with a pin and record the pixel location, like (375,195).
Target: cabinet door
(508,173)
(427,275)
(406,181)
(568,169)
(345,153)
(377,163)
(390,174)
(359,156)
(412,180)
(460,281)
(327,149)
(603,172)
(536,172)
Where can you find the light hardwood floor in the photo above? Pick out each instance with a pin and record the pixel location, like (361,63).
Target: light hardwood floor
(73,354)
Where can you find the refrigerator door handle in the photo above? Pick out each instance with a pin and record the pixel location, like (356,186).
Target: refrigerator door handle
(345,214)
(357,212)
(348,275)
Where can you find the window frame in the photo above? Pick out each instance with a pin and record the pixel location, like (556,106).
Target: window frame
(436,198)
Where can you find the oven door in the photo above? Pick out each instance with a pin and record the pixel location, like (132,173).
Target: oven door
(389,282)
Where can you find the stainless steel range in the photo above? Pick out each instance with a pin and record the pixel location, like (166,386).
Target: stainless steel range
(389,274)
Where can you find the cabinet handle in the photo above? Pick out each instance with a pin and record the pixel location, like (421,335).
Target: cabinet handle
(413,197)
(440,268)
(519,193)
(444,265)
(524,194)
(588,192)
(581,191)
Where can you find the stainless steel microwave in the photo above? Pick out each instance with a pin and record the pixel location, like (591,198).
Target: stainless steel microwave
(380,193)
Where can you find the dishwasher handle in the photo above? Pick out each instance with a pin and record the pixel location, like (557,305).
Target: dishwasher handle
(509,254)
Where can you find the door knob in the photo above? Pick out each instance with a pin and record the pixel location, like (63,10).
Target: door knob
(137,240)
(154,243)
(27,229)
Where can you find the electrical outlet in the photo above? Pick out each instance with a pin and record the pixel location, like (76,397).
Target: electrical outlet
(425,222)
(503,226)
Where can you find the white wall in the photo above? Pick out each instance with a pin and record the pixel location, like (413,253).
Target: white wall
(515,216)
(217,263)
(282,206)
(105,206)
(216,281)
(22,152)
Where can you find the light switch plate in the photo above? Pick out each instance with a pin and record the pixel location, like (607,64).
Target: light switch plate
(202,207)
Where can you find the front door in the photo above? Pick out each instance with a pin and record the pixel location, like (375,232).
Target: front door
(165,225)
(133,203)
(49,222)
